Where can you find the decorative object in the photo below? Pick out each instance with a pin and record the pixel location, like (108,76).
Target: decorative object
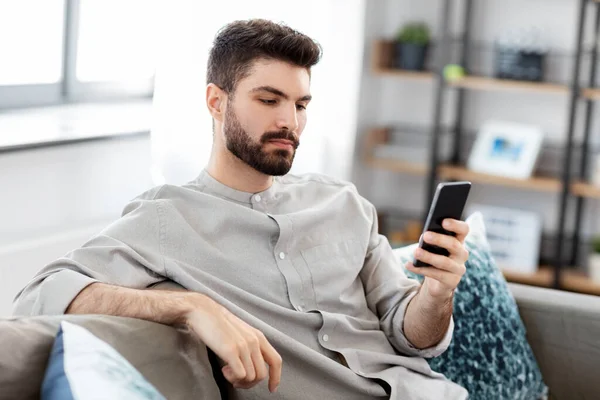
(489,354)
(506,149)
(412,43)
(514,236)
(81,366)
(453,72)
(594,260)
(520,55)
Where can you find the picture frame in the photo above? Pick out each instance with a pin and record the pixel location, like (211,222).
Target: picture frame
(506,149)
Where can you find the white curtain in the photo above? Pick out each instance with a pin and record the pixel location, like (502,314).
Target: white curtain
(181,130)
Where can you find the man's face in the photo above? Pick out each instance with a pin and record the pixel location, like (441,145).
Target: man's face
(265,118)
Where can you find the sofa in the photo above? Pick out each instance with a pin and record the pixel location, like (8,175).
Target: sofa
(562,328)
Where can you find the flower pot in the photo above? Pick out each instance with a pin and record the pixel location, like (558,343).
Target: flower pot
(594,266)
(411,56)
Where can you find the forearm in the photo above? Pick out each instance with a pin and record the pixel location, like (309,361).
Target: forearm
(165,307)
(426,320)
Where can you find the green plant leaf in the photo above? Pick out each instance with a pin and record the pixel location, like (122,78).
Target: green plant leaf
(414,32)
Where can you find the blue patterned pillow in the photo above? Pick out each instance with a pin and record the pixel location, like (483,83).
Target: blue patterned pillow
(83,367)
(489,354)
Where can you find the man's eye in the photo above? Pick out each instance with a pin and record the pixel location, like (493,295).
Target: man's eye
(300,107)
(268,102)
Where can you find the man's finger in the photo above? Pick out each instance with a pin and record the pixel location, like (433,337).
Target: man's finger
(246,358)
(273,359)
(439,275)
(461,228)
(259,365)
(450,243)
(439,262)
(234,370)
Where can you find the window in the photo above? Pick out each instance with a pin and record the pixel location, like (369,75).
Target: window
(31,41)
(125,51)
(57,51)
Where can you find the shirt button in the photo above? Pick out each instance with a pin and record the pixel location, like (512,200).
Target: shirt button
(282,255)
(326,338)
(257,198)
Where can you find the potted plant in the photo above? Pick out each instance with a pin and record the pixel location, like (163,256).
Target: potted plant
(412,43)
(594,260)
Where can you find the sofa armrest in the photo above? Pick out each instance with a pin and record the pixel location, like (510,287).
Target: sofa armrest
(563,330)
(174,361)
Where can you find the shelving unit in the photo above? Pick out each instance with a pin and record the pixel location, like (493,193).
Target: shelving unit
(566,187)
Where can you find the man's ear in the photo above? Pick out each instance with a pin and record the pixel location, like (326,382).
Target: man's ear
(215,101)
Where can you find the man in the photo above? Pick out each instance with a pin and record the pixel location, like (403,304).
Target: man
(286,276)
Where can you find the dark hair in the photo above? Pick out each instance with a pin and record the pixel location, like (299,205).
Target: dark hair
(238,44)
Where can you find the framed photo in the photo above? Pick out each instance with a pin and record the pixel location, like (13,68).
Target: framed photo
(506,149)
(514,236)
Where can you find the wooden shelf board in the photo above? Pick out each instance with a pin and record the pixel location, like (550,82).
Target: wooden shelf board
(405,74)
(543,277)
(484,83)
(459,173)
(573,281)
(576,282)
(380,136)
(591,93)
(584,189)
(537,183)
(398,166)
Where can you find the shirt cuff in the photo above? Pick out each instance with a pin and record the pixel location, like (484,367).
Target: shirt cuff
(58,291)
(429,352)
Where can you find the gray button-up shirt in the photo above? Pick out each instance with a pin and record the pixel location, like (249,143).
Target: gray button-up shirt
(302,262)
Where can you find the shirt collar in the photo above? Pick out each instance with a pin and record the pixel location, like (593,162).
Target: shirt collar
(222,190)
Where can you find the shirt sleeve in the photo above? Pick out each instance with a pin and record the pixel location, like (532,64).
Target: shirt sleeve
(126,253)
(389,291)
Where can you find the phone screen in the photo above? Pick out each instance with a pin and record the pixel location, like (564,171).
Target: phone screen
(448,202)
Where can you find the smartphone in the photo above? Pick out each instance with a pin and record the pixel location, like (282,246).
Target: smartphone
(448,202)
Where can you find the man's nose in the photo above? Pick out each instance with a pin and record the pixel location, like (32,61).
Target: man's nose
(288,119)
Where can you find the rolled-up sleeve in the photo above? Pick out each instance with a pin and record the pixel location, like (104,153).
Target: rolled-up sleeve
(389,291)
(126,253)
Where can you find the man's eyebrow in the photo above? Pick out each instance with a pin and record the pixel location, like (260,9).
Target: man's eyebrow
(279,93)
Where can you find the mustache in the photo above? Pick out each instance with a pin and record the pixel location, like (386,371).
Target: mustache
(284,135)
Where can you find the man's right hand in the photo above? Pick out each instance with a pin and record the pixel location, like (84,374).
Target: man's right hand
(244,349)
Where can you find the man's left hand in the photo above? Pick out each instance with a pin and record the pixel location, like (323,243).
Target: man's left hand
(445,273)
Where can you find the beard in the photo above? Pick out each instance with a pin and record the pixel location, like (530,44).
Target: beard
(275,163)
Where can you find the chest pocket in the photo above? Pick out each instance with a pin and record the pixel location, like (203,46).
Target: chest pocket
(335,272)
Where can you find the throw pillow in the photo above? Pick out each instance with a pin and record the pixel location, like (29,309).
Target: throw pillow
(83,367)
(489,354)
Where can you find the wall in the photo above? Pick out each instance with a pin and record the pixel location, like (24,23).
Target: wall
(392,101)
(54,198)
